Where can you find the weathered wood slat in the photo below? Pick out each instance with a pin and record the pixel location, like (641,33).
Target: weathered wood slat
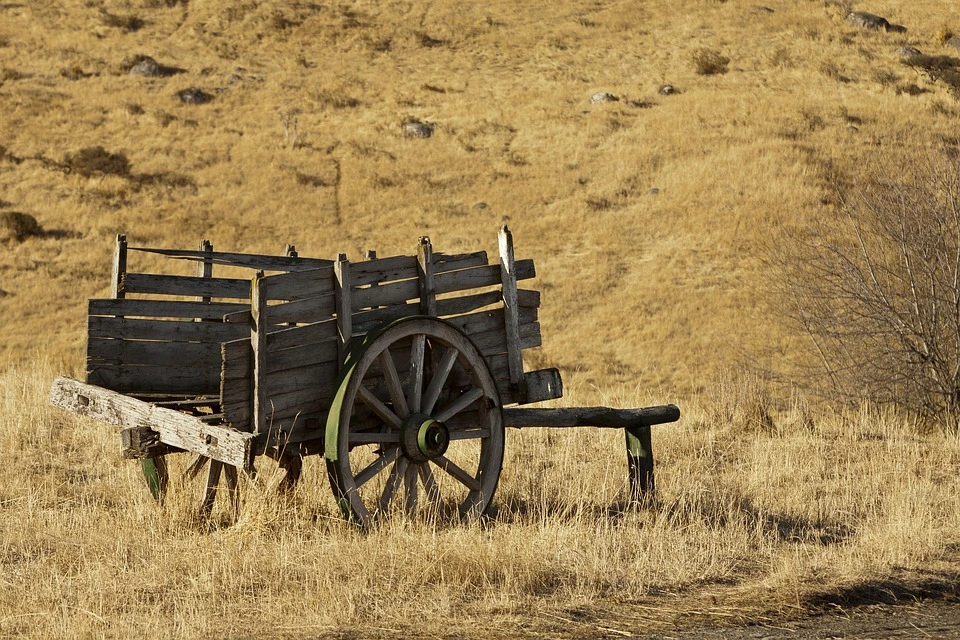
(508,277)
(307,334)
(443,262)
(175,428)
(249,260)
(303,284)
(103,352)
(383,270)
(544,384)
(302,356)
(163,308)
(199,380)
(149,283)
(304,310)
(590,417)
(175,330)
(480,277)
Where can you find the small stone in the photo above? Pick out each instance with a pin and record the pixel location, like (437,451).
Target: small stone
(147,66)
(953,42)
(666,90)
(762,9)
(871,21)
(653,191)
(603,96)
(908,52)
(194,96)
(480,206)
(418,129)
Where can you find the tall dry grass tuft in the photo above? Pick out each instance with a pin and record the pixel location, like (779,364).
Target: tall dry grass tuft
(740,513)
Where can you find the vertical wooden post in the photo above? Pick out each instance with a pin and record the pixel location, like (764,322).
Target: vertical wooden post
(428,294)
(640,464)
(205,266)
(344,304)
(291,251)
(508,277)
(119,267)
(258,344)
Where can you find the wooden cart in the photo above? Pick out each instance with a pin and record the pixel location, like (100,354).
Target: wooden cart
(402,372)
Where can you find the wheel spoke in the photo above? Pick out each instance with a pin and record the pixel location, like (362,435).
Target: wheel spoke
(417,351)
(374,438)
(393,483)
(382,410)
(462,476)
(469,434)
(410,488)
(429,483)
(438,380)
(393,384)
(465,400)
(376,466)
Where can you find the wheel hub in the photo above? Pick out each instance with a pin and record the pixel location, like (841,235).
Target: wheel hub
(422,438)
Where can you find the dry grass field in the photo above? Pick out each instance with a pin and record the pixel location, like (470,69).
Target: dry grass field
(649,218)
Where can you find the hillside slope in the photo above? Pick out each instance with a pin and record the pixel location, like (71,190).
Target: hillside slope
(646,215)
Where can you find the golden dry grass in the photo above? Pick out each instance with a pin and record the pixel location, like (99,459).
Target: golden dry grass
(648,298)
(750,525)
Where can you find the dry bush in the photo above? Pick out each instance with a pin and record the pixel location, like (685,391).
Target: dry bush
(876,287)
(17,227)
(91,161)
(708,62)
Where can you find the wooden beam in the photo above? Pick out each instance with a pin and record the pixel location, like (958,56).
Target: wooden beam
(428,294)
(176,428)
(344,304)
(603,417)
(258,343)
(508,278)
(119,267)
(248,260)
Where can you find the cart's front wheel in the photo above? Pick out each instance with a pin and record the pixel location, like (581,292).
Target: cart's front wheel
(416,425)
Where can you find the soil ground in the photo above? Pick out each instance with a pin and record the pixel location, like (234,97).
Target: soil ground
(919,620)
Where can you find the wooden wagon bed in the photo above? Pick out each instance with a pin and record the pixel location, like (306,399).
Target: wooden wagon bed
(234,367)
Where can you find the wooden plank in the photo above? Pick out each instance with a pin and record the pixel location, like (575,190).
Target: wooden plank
(383,270)
(477,277)
(640,463)
(175,428)
(174,330)
(186,286)
(258,346)
(544,384)
(303,355)
(443,262)
(427,294)
(302,284)
(313,333)
(163,308)
(344,304)
(311,309)
(508,278)
(102,352)
(448,282)
(199,380)
(603,417)
(119,267)
(250,260)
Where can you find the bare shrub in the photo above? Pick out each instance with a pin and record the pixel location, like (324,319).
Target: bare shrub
(91,161)
(17,227)
(708,62)
(875,286)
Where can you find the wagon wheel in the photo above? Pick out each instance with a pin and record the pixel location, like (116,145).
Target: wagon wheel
(416,425)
